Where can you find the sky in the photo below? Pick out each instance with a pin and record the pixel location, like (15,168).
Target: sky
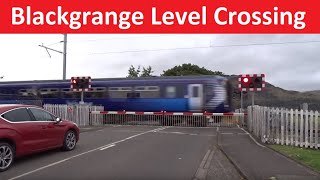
(289,61)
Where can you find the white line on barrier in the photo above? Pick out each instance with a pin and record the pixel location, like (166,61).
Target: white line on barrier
(63,160)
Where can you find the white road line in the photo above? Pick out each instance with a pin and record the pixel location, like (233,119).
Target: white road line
(99,148)
(252,137)
(107,147)
(226,133)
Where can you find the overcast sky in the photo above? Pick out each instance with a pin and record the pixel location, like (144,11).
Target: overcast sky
(293,66)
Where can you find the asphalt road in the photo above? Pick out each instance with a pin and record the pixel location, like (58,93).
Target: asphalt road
(130,152)
(145,152)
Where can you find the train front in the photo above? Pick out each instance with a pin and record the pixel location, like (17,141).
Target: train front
(218,95)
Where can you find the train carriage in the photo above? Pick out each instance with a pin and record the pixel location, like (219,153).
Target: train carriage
(149,94)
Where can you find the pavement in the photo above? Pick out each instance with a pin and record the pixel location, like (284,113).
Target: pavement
(257,161)
(156,152)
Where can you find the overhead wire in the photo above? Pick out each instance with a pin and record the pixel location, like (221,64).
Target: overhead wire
(201,47)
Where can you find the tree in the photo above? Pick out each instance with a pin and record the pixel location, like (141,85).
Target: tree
(146,72)
(189,69)
(133,72)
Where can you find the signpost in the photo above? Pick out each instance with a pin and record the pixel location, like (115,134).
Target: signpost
(81,84)
(252,83)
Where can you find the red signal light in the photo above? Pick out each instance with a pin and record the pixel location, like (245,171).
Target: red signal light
(245,80)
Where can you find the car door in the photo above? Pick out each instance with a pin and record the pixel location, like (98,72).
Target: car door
(30,132)
(52,132)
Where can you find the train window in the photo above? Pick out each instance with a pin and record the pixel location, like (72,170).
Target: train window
(133,95)
(23,92)
(43,91)
(153,88)
(120,89)
(27,92)
(140,88)
(171,92)
(66,90)
(97,92)
(147,88)
(195,91)
(101,89)
(49,93)
(147,91)
(126,89)
(113,89)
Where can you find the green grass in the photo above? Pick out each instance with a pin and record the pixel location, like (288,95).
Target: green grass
(309,157)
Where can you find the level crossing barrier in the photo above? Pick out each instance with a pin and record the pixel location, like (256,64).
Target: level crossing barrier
(163,118)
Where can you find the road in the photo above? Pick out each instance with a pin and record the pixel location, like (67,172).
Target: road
(131,152)
(146,152)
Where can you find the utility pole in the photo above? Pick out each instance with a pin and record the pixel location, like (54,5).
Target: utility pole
(252,98)
(64,53)
(64,56)
(241,100)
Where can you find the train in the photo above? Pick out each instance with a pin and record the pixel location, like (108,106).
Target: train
(148,94)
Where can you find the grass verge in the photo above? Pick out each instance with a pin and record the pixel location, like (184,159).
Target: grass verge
(309,157)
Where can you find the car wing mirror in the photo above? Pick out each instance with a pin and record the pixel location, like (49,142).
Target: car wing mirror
(57,120)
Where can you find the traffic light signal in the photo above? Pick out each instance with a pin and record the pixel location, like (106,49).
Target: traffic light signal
(81,83)
(252,82)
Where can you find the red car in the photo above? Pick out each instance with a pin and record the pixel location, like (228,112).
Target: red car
(26,129)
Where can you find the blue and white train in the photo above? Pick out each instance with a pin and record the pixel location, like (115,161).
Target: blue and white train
(148,94)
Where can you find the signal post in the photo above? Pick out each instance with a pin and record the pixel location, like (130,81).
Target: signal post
(250,83)
(81,84)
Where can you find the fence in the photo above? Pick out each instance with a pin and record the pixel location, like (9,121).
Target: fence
(79,113)
(284,126)
(88,115)
(187,119)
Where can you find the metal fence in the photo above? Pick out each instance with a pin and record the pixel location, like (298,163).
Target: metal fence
(79,113)
(285,126)
(171,119)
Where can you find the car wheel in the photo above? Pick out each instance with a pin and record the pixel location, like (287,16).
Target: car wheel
(70,141)
(6,156)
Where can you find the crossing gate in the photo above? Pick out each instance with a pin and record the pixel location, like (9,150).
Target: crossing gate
(185,119)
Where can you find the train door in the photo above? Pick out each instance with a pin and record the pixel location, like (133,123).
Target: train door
(195,94)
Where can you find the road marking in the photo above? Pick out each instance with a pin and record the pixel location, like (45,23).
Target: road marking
(204,166)
(107,147)
(252,137)
(99,148)
(226,133)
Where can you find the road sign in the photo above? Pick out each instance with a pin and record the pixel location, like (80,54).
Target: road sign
(251,82)
(81,84)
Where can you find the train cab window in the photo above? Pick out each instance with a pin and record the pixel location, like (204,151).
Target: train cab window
(195,91)
(171,92)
